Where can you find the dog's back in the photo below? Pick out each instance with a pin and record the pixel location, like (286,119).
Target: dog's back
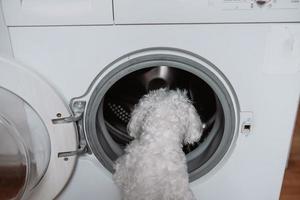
(146,174)
(154,165)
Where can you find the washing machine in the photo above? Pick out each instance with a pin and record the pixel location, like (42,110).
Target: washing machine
(72,71)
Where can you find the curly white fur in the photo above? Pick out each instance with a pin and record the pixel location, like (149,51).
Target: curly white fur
(154,165)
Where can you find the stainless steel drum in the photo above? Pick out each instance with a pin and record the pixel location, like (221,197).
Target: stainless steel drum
(123,95)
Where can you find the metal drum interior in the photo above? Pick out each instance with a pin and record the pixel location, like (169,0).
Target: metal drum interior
(120,99)
(112,101)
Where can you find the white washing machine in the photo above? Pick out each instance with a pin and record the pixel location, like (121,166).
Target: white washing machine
(71,72)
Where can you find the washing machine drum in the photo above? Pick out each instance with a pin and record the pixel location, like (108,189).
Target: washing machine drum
(125,93)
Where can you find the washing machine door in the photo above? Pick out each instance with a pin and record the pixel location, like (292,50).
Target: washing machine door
(30,143)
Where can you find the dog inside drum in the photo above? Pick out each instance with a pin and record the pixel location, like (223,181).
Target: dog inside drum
(154,165)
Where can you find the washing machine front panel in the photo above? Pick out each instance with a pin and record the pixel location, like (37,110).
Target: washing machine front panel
(29,105)
(57,12)
(75,49)
(80,53)
(206,11)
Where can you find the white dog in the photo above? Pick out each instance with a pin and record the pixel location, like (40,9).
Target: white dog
(154,165)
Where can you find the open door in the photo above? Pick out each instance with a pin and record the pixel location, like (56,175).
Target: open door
(30,143)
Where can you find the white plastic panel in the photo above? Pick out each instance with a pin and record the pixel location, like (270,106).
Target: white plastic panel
(205,11)
(57,12)
(283,43)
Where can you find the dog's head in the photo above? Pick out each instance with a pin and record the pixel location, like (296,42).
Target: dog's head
(177,104)
(141,111)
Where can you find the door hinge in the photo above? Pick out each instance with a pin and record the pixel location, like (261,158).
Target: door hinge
(72,118)
(78,108)
(80,150)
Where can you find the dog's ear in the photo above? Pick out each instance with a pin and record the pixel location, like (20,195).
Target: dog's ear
(138,116)
(195,127)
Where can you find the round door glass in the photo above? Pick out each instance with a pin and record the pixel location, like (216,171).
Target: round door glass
(24,147)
